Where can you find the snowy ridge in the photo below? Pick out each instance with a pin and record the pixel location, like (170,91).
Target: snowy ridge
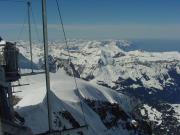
(106,61)
(64,97)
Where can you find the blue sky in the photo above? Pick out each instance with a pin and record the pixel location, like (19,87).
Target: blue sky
(97,19)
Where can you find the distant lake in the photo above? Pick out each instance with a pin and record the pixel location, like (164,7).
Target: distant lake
(156,45)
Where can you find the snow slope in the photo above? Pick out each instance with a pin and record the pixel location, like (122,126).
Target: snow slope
(64,97)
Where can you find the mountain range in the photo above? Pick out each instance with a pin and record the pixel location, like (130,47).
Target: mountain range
(120,91)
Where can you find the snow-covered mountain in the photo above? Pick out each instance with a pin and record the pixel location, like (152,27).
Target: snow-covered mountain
(65,100)
(151,78)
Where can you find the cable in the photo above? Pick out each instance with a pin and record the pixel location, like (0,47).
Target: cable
(67,47)
(36,27)
(18,1)
(22,28)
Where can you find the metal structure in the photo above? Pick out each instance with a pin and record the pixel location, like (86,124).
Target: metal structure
(45,39)
(30,40)
(10,54)
(9,72)
(10,128)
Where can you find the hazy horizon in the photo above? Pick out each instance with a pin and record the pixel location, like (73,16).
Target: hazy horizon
(92,19)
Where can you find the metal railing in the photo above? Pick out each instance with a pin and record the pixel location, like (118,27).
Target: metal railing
(14,129)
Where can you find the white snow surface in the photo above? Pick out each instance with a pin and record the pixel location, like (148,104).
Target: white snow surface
(2,42)
(64,97)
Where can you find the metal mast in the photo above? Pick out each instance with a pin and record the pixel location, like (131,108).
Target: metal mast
(45,39)
(30,41)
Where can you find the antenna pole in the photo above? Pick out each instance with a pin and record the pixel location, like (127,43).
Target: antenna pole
(30,40)
(45,39)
